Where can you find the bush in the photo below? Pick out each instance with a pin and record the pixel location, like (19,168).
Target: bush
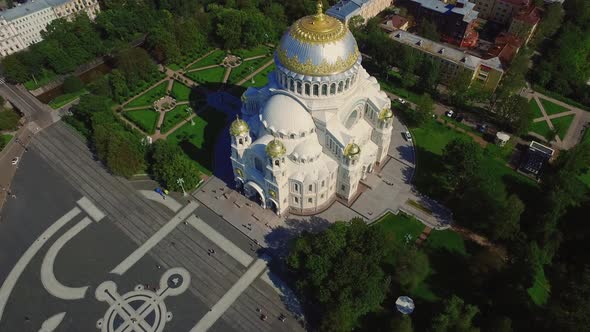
(8,120)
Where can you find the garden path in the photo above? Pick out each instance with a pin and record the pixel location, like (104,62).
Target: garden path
(270,62)
(255,57)
(226,75)
(147,89)
(202,68)
(199,59)
(481,240)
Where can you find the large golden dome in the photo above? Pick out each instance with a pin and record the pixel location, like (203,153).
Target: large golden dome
(239,127)
(318,45)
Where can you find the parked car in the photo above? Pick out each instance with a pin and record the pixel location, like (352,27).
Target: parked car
(459,118)
(407,136)
(482,127)
(450,113)
(15,160)
(401,101)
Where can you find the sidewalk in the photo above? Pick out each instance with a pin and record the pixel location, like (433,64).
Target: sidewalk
(12,150)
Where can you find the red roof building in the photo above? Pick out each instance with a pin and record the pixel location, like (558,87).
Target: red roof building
(506,46)
(525,23)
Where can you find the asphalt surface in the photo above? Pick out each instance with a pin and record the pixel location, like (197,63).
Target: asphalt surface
(56,172)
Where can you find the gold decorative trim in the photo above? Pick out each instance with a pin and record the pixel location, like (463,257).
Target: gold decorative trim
(239,172)
(316,30)
(352,150)
(385,114)
(324,68)
(272,193)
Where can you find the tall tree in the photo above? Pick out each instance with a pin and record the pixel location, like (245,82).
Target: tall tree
(456,316)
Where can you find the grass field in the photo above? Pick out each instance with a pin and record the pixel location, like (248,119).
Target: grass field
(64,99)
(541,128)
(150,96)
(260,79)
(239,73)
(146,119)
(180,92)
(540,290)
(562,124)
(399,225)
(536,108)
(552,108)
(211,75)
(446,239)
(4,139)
(174,117)
(214,58)
(198,141)
(251,52)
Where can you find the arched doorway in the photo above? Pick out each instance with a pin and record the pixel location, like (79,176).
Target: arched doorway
(239,185)
(273,206)
(254,192)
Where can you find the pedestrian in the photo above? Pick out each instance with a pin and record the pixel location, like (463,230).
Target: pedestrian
(158,266)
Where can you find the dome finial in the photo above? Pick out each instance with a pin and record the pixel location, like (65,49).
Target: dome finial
(320,10)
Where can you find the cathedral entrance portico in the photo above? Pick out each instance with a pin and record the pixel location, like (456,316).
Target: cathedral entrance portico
(254,192)
(273,206)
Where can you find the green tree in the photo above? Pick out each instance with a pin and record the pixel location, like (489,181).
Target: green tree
(411,268)
(461,162)
(429,73)
(8,120)
(136,65)
(125,155)
(169,164)
(423,111)
(508,220)
(401,323)
(14,70)
(550,23)
(570,309)
(338,272)
(72,84)
(456,316)
(428,30)
(515,113)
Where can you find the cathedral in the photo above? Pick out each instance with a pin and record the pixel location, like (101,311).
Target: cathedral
(317,128)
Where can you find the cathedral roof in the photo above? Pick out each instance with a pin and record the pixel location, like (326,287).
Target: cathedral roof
(285,115)
(239,127)
(318,45)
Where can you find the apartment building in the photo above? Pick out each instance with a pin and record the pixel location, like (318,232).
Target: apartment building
(524,24)
(344,10)
(500,11)
(486,72)
(455,19)
(22,25)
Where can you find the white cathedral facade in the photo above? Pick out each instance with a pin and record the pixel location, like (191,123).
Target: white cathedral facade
(317,128)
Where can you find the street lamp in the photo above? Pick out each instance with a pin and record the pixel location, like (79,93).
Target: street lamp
(180,182)
(251,72)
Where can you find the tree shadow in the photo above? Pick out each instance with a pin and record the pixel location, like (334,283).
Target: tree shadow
(406,152)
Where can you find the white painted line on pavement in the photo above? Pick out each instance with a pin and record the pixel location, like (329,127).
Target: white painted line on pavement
(22,263)
(230,297)
(169,202)
(226,245)
(50,282)
(155,239)
(90,209)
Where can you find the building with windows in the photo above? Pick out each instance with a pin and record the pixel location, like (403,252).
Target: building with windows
(455,19)
(453,62)
(524,24)
(344,10)
(22,25)
(500,11)
(318,127)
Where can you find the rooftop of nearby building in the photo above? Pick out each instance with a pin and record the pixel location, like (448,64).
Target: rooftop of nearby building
(531,15)
(398,21)
(57,2)
(25,9)
(445,51)
(518,2)
(461,7)
(346,8)
(506,47)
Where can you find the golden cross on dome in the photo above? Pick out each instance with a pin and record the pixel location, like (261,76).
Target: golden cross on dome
(320,10)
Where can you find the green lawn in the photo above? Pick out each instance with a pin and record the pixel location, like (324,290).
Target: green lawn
(434,136)
(535,107)
(64,99)
(562,124)
(252,52)
(4,139)
(446,239)
(541,128)
(180,92)
(198,141)
(174,67)
(146,119)
(552,108)
(260,79)
(211,75)
(239,73)
(174,117)
(149,97)
(215,58)
(399,225)
(540,290)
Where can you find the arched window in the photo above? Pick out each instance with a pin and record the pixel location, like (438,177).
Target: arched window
(277,162)
(290,84)
(333,88)
(324,89)
(340,86)
(292,136)
(352,119)
(347,83)
(307,89)
(241,141)
(316,90)
(299,87)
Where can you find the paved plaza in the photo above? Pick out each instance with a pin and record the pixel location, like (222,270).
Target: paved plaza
(81,250)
